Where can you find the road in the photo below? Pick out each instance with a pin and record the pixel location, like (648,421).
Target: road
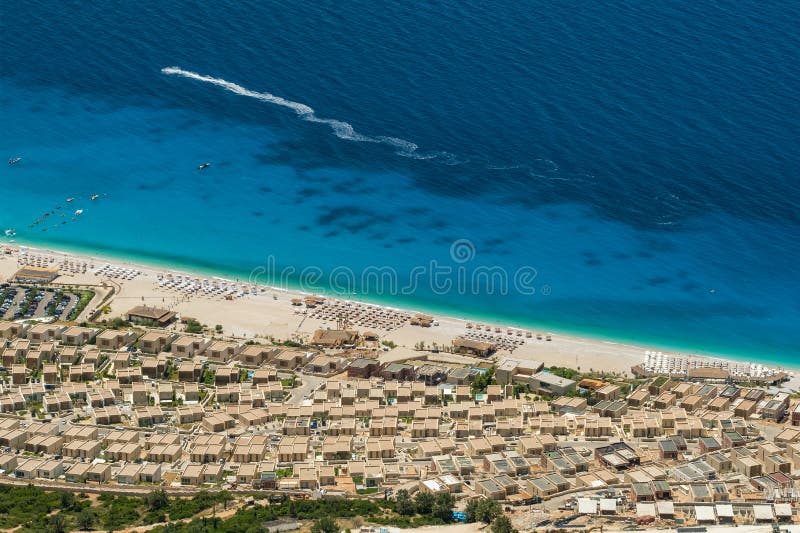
(308,384)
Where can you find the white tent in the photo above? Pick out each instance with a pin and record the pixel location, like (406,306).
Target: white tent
(783,510)
(646,509)
(587,506)
(666,509)
(725,511)
(705,514)
(608,506)
(763,513)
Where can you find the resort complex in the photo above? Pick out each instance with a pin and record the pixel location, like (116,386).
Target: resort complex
(112,393)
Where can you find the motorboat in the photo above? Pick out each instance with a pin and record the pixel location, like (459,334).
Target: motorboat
(204,166)
(14,160)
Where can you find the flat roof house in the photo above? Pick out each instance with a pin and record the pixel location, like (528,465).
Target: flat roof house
(189,346)
(154,342)
(77,336)
(222,351)
(189,371)
(99,473)
(550,384)
(112,339)
(45,332)
(129,474)
(77,473)
(256,355)
(150,473)
(363,368)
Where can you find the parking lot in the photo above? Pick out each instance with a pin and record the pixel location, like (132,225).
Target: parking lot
(18,302)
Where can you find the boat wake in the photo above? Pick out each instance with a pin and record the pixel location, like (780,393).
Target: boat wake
(341,129)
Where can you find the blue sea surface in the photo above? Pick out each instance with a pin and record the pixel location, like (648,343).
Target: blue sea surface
(636,163)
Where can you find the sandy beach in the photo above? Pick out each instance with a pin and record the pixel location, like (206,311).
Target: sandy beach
(263,312)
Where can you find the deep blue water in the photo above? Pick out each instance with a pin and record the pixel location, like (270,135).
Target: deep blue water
(641,157)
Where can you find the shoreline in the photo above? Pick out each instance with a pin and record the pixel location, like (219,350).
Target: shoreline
(576,341)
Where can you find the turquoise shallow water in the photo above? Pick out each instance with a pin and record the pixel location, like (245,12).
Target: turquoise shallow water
(624,162)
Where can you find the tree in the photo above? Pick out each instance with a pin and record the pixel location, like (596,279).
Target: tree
(520,389)
(157,499)
(197,527)
(67,500)
(480,383)
(193,326)
(443,506)
(424,502)
(471,511)
(483,510)
(502,524)
(326,524)
(403,505)
(86,518)
(57,524)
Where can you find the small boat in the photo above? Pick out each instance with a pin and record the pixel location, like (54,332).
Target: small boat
(204,166)
(79,212)
(95,196)
(70,199)
(14,160)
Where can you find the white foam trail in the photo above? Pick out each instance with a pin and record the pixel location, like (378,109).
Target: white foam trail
(341,129)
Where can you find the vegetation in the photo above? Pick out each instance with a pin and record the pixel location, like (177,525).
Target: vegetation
(423,509)
(84,297)
(482,382)
(290,344)
(403,504)
(27,505)
(443,505)
(483,510)
(171,371)
(660,380)
(193,326)
(283,472)
(252,518)
(325,512)
(502,524)
(86,519)
(564,372)
(32,509)
(423,502)
(389,344)
(116,323)
(35,510)
(57,524)
(207,377)
(326,524)
(521,388)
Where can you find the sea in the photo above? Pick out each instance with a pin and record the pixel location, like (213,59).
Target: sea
(620,170)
